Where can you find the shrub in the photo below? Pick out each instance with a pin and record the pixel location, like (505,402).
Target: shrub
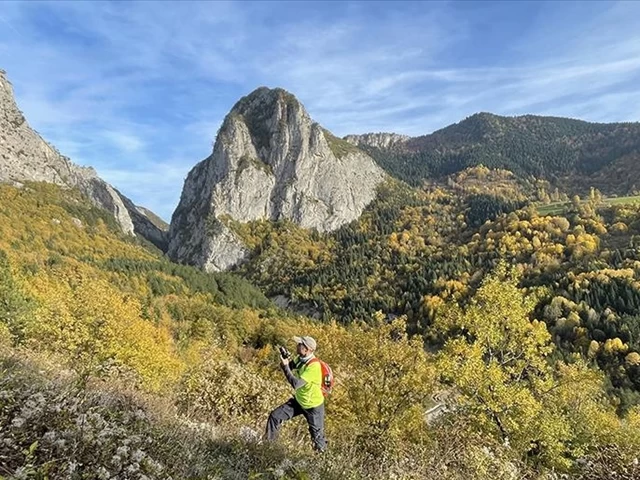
(221,390)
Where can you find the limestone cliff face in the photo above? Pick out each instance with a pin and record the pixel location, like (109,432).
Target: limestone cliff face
(270,161)
(377,140)
(25,156)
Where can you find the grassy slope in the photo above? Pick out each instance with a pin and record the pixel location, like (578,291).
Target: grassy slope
(558,208)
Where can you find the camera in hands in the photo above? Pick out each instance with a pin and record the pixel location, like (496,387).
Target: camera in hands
(284,353)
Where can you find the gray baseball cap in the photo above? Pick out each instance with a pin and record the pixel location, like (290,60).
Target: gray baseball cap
(308,342)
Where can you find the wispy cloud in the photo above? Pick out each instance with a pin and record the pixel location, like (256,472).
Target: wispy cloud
(139,89)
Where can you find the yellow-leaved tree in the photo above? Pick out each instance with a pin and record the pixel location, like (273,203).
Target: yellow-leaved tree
(385,384)
(497,360)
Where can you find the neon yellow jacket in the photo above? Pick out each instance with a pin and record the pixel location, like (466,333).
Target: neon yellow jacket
(309,395)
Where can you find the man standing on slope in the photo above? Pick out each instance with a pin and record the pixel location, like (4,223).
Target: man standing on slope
(308,399)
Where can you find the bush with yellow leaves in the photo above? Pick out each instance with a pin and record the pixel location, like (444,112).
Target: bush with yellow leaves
(87,320)
(385,383)
(222,390)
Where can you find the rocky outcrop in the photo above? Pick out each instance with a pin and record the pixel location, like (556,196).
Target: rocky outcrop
(377,140)
(270,161)
(25,156)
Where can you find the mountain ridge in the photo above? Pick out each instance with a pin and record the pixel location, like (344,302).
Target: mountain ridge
(574,154)
(26,156)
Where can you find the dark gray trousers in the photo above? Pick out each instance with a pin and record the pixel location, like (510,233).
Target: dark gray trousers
(290,409)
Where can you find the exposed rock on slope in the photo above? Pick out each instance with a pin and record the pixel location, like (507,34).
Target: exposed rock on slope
(270,161)
(377,140)
(25,156)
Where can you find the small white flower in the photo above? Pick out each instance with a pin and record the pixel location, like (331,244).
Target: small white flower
(72,467)
(103,473)
(153,465)
(137,455)
(249,434)
(17,422)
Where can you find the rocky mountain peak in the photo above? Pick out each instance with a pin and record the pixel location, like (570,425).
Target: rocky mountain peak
(264,102)
(268,116)
(270,161)
(26,156)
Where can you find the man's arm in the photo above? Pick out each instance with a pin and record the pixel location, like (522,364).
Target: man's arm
(294,381)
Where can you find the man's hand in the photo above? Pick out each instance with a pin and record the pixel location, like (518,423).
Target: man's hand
(284,361)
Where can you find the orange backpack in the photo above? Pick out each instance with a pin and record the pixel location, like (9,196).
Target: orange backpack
(327,376)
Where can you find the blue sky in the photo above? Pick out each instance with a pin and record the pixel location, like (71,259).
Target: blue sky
(138,90)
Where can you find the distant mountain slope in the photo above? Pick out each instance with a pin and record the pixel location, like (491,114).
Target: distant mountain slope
(25,156)
(546,147)
(155,219)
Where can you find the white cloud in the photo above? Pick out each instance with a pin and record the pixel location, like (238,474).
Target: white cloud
(124,141)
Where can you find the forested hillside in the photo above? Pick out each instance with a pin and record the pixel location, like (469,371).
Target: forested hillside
(544,147)
(414,250)
(117,364)
(70,276)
